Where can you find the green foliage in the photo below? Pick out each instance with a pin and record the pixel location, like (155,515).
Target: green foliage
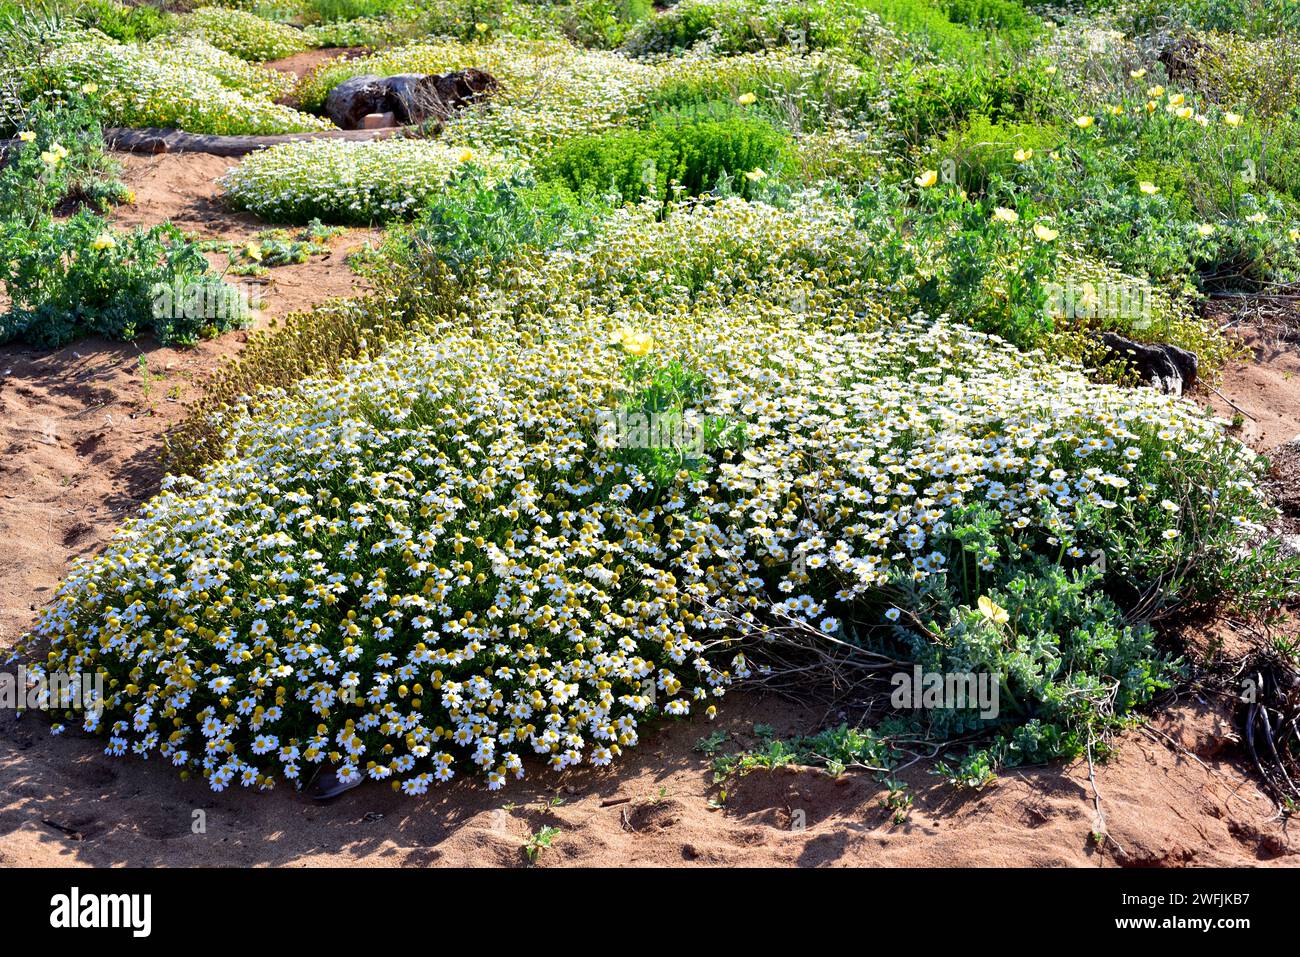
(670,159)
(76,277)
(861,30)
(981,150)
(658,430)
(539,842)
(1251,18)
(1070,669)
(601,23)
(475,222)
(123,22)
(327,11)
(931,99)
(272,248)
(59,157)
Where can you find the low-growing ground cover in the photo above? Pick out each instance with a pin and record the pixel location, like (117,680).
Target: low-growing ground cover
(152,85)
(733,338)
(454,557)
(246,35)
(347,182)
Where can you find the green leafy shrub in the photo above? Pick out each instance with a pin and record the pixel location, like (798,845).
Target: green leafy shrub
(475,221)
(1071,670)
(332,11)
(276,10)
(59,157)
(932,99)
(362,32)
(601,23)
(1250,18)
(124,22)
(861,30)
(675,154)
(981,150)
(809,93)
(77,277)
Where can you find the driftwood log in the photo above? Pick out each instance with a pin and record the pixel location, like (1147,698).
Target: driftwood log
(177,141)
(1162,366)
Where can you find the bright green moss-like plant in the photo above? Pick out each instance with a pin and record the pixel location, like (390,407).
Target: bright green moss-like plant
(676,156)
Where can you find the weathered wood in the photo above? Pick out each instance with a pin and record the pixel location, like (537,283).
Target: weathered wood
(178,141)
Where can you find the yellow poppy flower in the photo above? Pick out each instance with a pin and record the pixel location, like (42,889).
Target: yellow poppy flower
(1045,233)
(103,241)
(27,136)
(1004,215)
(1233,119)
(1024,156)
(993,611)
(638,344)
(1083,122)
(747,99)
(1138,73)
(1149,188)
(927,179)
(1205,229)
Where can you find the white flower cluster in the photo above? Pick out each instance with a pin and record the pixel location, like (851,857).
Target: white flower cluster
(243,34)
(151,85)
(342,181)
(187,53)
(444,558)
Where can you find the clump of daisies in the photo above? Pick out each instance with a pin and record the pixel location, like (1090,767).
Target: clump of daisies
(243,34)
(341,181)
(175,82)
(520,542)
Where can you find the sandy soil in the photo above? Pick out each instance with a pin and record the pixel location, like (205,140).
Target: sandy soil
(66,804)
(80,440)
(81,428)
(302,64)
(1265,392)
